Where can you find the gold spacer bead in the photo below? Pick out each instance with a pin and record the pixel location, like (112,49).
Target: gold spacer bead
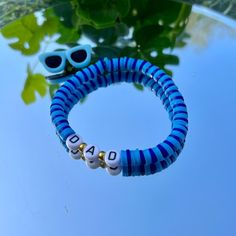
(82,146)
(102,164)
(101,155)
(82,157)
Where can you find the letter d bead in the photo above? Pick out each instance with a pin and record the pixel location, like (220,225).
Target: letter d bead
(112,158)
(75,154)
(113,171)
(73,141)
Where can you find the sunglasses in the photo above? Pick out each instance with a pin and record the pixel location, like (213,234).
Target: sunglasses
(78,57)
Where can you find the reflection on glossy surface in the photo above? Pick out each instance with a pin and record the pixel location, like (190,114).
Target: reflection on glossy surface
(44,192)
(226,7)
(139,29)
(12,10)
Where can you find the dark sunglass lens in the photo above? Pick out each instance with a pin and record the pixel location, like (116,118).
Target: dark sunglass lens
(53,61)
(79,56)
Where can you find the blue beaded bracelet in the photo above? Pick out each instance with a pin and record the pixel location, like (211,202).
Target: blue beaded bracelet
(101,74)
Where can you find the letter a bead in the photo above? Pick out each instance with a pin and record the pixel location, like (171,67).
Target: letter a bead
(73,141)
(92,164)
(91,152)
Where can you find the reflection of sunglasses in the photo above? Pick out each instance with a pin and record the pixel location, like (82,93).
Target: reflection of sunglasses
(78,57)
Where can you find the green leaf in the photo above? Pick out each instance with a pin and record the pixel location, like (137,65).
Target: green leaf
(82,100)
(169,59)
(52,89)
(49,26)
(28,95)
(28,33)
(68,35)
(121,29)
(100,13)
(169,72)
(152,36)
(35,83)
(138,86)
(131,52)
(109,35)
(122,6)
(106,51)
(65,12)
(23,30)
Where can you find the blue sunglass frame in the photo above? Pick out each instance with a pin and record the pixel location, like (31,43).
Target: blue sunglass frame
(66,55)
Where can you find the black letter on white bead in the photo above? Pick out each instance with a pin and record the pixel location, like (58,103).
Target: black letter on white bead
(113,170)
(112,156)
(73,141)
(75,154)
(112,159)
(90,150)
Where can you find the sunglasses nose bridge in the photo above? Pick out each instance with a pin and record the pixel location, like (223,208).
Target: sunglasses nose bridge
(68,55)
(67,60)
(68,66)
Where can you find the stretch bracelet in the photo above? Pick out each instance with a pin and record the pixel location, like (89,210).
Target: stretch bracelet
(101,74)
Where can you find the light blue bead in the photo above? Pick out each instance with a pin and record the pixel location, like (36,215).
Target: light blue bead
(145,67)
(66,133)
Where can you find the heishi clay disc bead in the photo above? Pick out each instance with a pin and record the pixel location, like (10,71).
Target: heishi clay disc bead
(91,152)
(103,73)
(73,141)
(112,158)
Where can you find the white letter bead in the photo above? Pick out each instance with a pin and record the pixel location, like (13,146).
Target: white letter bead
(73,141)
(75,154)
(112,158)
(91,152)
(92,164)
(113,171)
